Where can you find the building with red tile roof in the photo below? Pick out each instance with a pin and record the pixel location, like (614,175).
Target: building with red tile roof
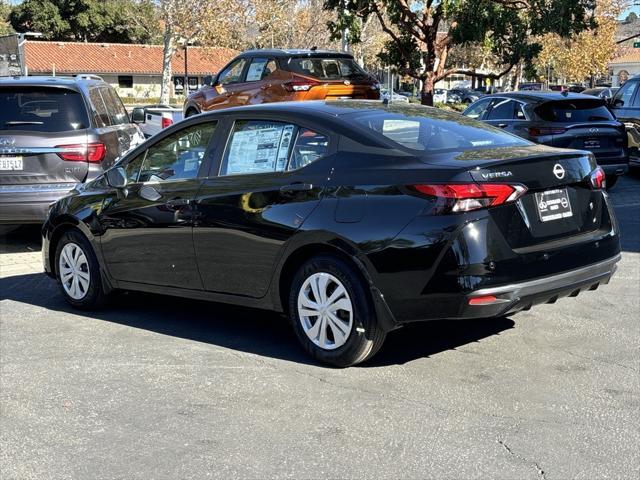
(134,69)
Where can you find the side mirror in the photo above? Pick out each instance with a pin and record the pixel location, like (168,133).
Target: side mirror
(208,80)
(137,115)
(116,177)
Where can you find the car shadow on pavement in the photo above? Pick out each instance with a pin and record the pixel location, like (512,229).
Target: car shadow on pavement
(22,239)
(249,330)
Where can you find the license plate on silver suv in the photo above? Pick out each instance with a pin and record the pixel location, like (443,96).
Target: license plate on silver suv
(11,163)
(553,204)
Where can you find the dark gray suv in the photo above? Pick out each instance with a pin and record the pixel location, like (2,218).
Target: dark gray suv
(56,132)
(565,120)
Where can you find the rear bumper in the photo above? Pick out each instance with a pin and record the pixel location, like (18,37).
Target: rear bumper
(522,296)
(615,169)
(21,204)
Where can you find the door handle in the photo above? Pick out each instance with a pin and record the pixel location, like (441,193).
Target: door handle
(502,125)
(296,187)
(179,202)
(265,86)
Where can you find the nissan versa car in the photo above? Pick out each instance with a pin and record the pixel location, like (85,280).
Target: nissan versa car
(566,120)
(353,218)
(261,76)
(54,133)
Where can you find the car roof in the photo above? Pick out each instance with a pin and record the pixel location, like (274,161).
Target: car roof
(44,81)
(540,96)
(279,53)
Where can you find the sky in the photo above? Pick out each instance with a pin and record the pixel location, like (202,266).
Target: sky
(635,9)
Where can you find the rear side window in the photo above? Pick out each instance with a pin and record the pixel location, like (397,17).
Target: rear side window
(42,109)
(440,132)
(260,68)
(577,110)
(117,113)
(478,109)
(506,109)
(100,111)
(326,68)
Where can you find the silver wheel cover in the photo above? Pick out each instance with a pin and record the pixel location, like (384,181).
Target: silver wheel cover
(73,269)
(325,311)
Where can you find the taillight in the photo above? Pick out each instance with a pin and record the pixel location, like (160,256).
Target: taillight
(464,197)
(598,179)
(81,152)
(540,131)
(299,84)
(166,122)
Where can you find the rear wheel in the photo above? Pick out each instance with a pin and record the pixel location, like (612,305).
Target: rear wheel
(331,312)
(78,271)
(191,112)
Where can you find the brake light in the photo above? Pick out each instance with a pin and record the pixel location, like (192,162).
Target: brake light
(486,300)
(166,122)
(465,197)
(80,152)
(598,179)
(299,84)
(540,131)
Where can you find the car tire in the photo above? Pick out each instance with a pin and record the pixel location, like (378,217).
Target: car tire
(78,271)
(611,181)
(348,332)
(191,112)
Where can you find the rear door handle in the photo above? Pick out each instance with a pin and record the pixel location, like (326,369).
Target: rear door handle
(503,125)
(296,187)
(265,86)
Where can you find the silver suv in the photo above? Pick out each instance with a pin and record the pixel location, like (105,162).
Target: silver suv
(56,132)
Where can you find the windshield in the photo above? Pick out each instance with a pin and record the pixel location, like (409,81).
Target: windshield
(578,110)
(42,109)
(327,68)
(434,130)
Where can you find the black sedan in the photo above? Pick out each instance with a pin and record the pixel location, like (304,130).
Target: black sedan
(566,120)
(353,218)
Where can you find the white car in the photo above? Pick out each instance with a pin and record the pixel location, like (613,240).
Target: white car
(439,95)
(384,95)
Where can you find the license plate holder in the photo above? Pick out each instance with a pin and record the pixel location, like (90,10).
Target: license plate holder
(592,143)
(553,205)
(11,164)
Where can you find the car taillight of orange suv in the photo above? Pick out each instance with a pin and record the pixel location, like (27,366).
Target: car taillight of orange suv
(262,76)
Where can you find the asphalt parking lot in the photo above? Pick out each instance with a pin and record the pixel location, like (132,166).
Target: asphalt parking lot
(165,388)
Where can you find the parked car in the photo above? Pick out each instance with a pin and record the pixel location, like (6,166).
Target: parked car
(396,97)
(566,120)
(354,218)
(264,76)
(601,92)
(625,105)
(462,95)
(439,95)
(153,118)
(54,133)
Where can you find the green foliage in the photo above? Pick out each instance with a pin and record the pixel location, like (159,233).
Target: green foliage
(5,26)
(125,21)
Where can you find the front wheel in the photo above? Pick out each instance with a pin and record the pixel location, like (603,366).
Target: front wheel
(78,271)
(331,312)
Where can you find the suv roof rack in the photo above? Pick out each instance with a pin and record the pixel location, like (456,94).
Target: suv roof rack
(88,76)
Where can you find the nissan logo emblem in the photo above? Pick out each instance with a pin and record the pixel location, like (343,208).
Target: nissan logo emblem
(593,130)
(7,141)
(558,171)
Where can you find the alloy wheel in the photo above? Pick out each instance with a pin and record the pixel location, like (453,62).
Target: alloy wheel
(73,268)
(325,311)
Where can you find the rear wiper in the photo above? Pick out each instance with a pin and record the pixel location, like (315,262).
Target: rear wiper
(24,122)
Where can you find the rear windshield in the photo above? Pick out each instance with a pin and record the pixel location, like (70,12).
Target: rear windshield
(42,109)
(433,130)
(326,68)
(569,111)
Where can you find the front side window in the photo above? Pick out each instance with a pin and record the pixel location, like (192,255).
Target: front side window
(624,96)
(506,109)
(257,147)
(176,157)
(233,73)
(477,110)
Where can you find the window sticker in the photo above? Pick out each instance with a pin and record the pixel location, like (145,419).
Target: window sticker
(255,70)
(259,150)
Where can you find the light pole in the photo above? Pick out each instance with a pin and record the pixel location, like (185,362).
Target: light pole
(22,38)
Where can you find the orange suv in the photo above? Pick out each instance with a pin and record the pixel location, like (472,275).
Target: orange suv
(261,76)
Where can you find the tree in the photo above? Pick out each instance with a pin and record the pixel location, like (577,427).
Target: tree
(632,17)
(5,26)
(421,33)
(585,54)
(85,20)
